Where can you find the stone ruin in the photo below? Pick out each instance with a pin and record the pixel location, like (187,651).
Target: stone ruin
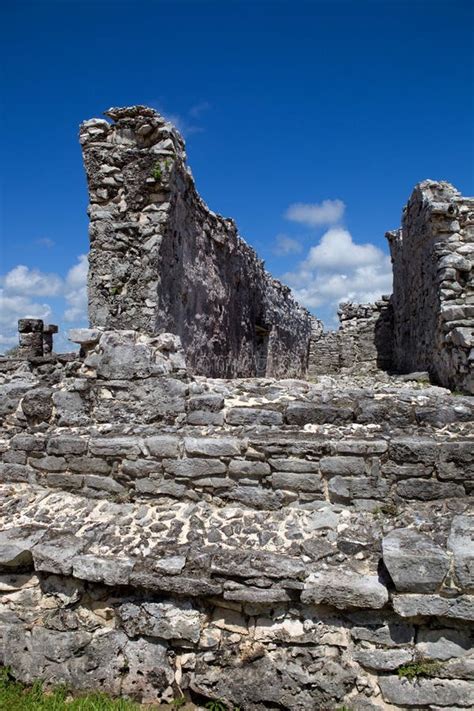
(268,541)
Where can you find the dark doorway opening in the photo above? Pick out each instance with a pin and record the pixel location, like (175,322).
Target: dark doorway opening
(262,335)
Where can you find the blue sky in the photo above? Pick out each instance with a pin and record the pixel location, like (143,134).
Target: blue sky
(325,112)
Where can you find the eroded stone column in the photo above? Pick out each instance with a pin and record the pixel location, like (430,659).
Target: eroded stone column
(31,337)
(48,333)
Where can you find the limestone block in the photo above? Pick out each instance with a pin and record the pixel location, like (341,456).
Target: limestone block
(167,620)
(412,605)
(414,562)
(212,447)
(427,692)
(461,543)
(253,416)
(344,590)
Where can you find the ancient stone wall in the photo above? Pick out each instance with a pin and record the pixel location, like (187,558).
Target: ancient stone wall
(433,289)
(363,343)
(161,261)
(276,544)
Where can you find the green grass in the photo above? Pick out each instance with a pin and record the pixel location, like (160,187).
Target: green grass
(18,697)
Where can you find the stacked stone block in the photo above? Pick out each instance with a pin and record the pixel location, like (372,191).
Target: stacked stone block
(433,296)
(161,261)
(270,543)
(363,343)
(35,339)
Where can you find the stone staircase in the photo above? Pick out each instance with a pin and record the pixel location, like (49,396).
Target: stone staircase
(277,544)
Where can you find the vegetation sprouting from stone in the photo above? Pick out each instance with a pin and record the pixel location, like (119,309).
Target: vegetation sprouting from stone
(419,668)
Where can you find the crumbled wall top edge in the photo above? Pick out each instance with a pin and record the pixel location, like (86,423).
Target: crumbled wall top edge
(147,125)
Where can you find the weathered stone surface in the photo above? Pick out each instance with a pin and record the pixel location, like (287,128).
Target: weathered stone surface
(192,468)
(342,466)
(427,490)
(212,447)
(427,692)
(253,416)
(414,562)
(165,619)
(341,590)
(430,290)
(461,544)
(143,200)
(461,608)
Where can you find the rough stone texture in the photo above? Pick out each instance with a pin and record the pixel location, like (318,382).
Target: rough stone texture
(363,343)
(186,270)
(270,543)
(295,553)
(433,292)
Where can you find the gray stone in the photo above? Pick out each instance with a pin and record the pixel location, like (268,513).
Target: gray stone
(37,404)
(295,481)
(114,446)
(66,444)
(49,463)
(162,446)
(294,465)
(103,483)
(392,634)
(194,468)
(346,489)
(252,564)
(414,562)
(167,620)
(344,590)
(427,692)
(212,446)
(383,660)
(458,608)
(342,466)
(248,468)
(443,643)
(428,489)
(253,416)
(461,544)
(113,571)
(84,336)
(71,409)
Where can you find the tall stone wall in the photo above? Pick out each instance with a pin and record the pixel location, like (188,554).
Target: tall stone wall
(363,343)
(433,287)
(161,261)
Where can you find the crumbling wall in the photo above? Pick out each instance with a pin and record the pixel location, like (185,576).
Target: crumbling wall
(161,261)
(433,287)
(256,541)
(363,343)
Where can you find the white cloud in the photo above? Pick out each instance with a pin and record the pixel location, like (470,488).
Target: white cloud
(75,291)
(15,306)
(336,249)
(20,286)
(21,280)
(327,212)
(286,245)
(337,269)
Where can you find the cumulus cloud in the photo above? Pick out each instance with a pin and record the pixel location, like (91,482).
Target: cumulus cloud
(21,280)
(75,291)
(15,306)
(286,245)
(338,269)
(337,250)
(327,212)
(21,286)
